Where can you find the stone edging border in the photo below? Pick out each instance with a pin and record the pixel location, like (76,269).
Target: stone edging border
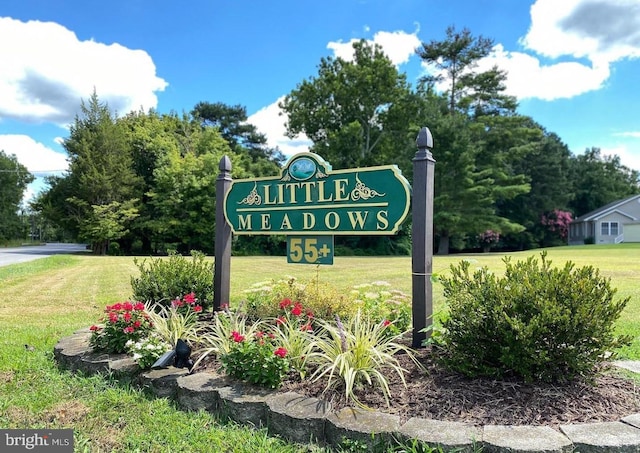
(303,419)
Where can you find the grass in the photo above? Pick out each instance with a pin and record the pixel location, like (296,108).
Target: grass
(44,300)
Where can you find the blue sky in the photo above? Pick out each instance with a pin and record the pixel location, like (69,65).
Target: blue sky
(573,64)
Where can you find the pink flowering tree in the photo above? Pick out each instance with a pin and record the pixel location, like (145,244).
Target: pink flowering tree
(557,224)
(488,239)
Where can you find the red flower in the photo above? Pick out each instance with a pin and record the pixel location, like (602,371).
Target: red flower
(94,328)
(284,303)
(237,337)
(128,329)
(197,308)
(127,317)
(297,309)
(128,306)
(117,306)
(136,324)
(306,327)
(385,323)
(280,352)
(190,298)
(177,303)
(113,317)
(139,306)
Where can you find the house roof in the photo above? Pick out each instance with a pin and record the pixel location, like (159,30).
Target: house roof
(606,209)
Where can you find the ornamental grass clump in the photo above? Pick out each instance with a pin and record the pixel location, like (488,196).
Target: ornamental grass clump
(536,322)
(178,321)
(216,337)
(353,355)
(293,330)
(123,322)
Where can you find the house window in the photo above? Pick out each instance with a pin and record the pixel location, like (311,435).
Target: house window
(613,228)
(609,228)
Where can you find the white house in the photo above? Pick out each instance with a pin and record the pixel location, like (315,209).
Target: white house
(611,224)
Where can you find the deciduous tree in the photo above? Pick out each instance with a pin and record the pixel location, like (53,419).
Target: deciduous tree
(14,179)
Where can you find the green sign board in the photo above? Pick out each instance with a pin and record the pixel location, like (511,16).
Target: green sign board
(308,198)
(310,249)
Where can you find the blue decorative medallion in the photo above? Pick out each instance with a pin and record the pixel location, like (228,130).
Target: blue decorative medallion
(302,169)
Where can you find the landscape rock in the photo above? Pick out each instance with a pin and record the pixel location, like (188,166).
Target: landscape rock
(605,436)
(163,383)
(298,418)
(370,428)
(200,391)
(497,438)
(447,435)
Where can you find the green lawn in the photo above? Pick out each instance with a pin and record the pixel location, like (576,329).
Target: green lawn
(44,300)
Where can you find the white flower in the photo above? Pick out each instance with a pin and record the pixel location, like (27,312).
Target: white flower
(381,283)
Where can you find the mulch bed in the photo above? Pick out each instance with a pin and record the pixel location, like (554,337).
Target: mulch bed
(438,394)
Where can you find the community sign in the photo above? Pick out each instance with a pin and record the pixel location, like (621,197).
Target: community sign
(308,198)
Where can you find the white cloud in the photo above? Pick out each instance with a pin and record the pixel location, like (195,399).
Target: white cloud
(599,31)
(528,78)
(628,157)
(46,71)
(632,134)
(602,31)
(271,122)
(36,156)
(589,36)
(399,46)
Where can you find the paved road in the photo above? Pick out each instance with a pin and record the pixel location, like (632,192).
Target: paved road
(15,255)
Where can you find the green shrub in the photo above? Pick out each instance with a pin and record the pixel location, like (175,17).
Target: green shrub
(537,322)
(162,280)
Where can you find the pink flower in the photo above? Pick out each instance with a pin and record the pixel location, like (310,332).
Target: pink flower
(113,317)
(284,303)
(117,306)
(94,328)
(128,306)
(197,308)
(190,298)
(139,306)
(280,352)
(177,303)
(385,323)
(136,324)
(280,320)
(309,314)
(127,317)
(128,329)
(306,327)
(259,334)
(237,337)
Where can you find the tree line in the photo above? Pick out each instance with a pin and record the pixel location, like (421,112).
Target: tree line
(145,182)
